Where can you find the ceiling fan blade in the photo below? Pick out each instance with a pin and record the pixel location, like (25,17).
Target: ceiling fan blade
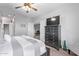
(18,7)
(34,8)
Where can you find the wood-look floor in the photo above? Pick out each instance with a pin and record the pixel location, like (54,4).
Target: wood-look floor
(60,52)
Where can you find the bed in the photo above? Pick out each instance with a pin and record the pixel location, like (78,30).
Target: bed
(21,46)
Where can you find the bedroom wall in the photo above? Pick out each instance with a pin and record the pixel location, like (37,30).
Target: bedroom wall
(24,27)
(21,25)
(69,20)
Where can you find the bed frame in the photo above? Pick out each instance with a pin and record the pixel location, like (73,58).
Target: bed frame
(47,53)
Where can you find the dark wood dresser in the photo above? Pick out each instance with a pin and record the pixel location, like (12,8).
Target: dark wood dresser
(52,33)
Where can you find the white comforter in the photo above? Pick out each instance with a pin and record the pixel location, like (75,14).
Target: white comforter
(21,46)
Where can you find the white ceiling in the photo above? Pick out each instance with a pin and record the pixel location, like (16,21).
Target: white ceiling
(43,9)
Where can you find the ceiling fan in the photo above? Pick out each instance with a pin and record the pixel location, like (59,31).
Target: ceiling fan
(26,6)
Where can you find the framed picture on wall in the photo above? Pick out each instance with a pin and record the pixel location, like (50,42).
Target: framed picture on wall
(23,25)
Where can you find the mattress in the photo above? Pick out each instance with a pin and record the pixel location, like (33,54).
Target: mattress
(21,46)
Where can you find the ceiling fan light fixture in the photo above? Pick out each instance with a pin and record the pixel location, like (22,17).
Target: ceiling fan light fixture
(26,8)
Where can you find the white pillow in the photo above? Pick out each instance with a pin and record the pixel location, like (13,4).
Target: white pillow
(7,37)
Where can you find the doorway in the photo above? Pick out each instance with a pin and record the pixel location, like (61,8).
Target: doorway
(6,28)
(37,31)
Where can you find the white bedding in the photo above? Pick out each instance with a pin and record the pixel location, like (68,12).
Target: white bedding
(21,46)
(42,45)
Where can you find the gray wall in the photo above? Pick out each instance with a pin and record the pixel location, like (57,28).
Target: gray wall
(20,25)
